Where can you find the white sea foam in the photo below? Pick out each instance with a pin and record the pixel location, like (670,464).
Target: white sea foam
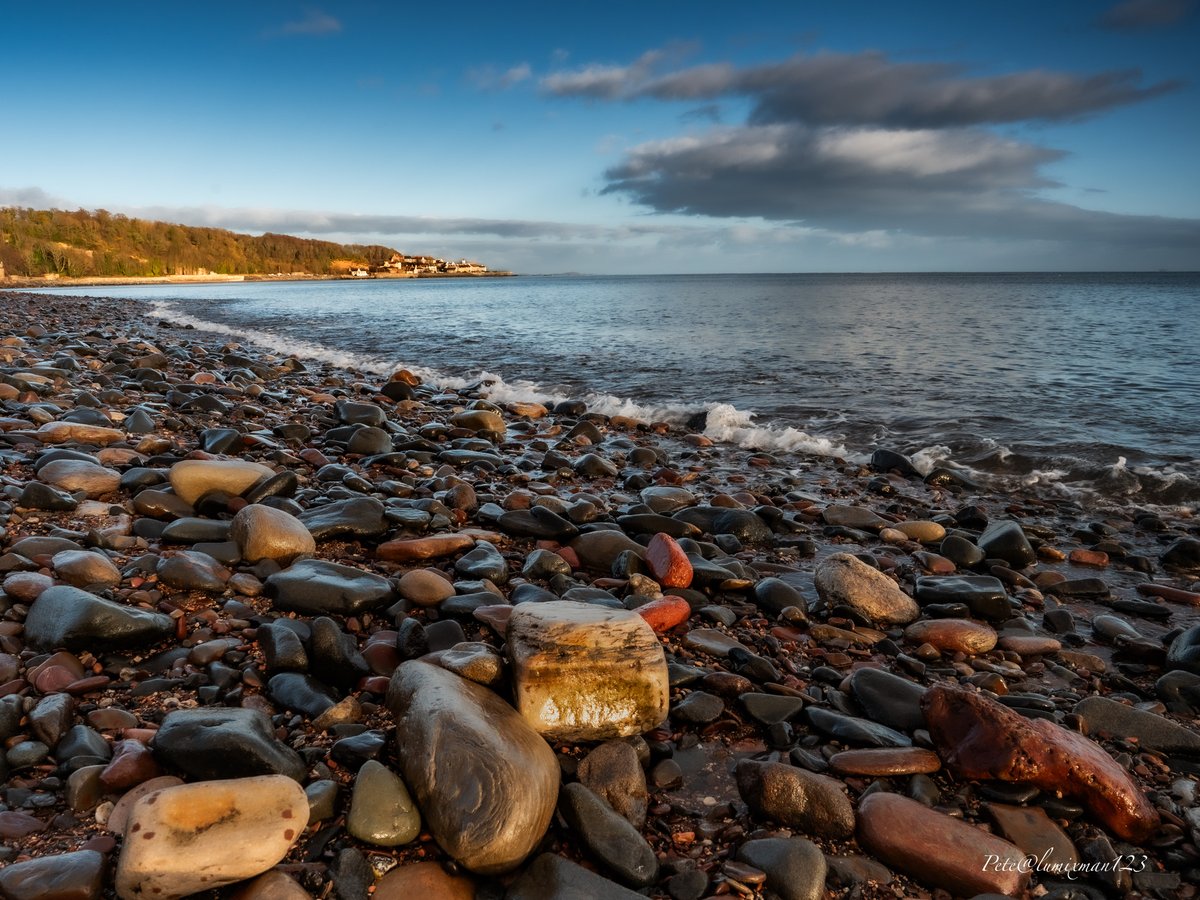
(724,422)
(727,423)
(927,459)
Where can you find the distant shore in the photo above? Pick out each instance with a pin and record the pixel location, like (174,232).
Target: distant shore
(16,283)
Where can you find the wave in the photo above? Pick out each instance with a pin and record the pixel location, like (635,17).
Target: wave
(982,459)
(722,421)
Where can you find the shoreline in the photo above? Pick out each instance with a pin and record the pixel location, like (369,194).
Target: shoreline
(13,283)
(751,621)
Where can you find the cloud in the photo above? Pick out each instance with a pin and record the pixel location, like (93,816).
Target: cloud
(857,144)
(31,198)
(314,23)
(1134,15)
(487,78)
(602,82)
(862,88)
(859,180)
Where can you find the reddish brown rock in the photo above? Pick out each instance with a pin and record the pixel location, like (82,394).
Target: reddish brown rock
(16,825)
(132,764)
(425,548)
(665,614)
(1097,559)
(885,761)
(978,738)
(1030,644)
(953,635)
(668,563)
(938,850)
(426,880)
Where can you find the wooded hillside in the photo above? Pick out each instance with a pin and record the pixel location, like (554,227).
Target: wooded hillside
(98,244)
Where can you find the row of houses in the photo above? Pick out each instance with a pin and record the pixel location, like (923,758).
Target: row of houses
(411,266)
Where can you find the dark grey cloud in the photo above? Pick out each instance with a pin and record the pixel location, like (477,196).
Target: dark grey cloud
(865,88)
(947,183)
(859,144)
(1136,15)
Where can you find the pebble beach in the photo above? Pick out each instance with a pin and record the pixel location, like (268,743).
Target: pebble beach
(274,628)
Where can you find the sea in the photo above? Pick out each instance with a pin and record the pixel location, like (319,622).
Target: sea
(1080,385)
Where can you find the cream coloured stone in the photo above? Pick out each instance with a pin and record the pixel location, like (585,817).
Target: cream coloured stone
(845,579)
(479,420)
(922,530)
(193,478)
(80,475)
(584,673)
(62,432)
(263,532)
(197,837)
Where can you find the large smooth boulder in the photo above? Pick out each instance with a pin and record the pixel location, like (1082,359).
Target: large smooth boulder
(486,783)
(193,478)
(196,837)
(845,580)
(69,618)
(584,672)
(981,739)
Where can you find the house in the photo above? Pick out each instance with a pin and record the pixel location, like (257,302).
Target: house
(360,273)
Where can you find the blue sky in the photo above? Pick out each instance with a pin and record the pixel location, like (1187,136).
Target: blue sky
(629,137)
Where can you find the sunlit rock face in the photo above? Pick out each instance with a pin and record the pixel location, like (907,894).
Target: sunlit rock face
(586,673)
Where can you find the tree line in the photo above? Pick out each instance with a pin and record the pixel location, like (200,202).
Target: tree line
(83,243)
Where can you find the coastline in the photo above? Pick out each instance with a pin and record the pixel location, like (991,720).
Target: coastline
(13,283)
(754,621)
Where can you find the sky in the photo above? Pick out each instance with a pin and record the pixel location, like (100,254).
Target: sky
(628,138)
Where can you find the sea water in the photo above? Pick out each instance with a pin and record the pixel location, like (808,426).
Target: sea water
(1084,384)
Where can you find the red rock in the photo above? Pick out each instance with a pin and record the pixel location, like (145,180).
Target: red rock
(665,614)
(424,548)
(132,763)
(1029,644)
(953,635)
(314,457)
(25,587)
(939,850)
(374,684)
(1095,558)
(570,556)
(934,563)
(1175,595)
(980,739)
(668,563)
(52,679)
(15,824)
(885,761)
(13,687)
(88,685)
(495,617)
